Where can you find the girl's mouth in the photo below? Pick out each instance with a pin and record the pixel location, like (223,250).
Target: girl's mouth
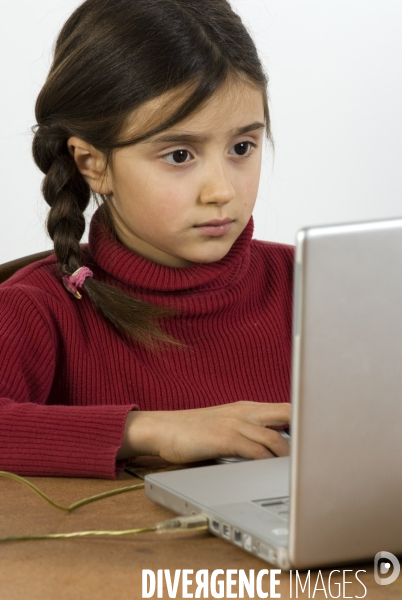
(216,228)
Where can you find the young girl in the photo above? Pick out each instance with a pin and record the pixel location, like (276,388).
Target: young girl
(169,333)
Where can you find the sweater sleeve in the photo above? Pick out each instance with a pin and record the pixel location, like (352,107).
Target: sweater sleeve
(37,438)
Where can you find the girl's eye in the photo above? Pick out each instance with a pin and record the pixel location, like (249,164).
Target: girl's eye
(177,157)
(243,148)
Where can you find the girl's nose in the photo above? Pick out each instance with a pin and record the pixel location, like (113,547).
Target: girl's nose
(217,187)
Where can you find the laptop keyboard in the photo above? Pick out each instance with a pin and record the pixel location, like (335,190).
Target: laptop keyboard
(276,506)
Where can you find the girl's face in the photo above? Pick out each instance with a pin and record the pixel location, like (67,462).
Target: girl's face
(205,168)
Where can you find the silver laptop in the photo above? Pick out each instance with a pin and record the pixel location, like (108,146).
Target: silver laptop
(338,497)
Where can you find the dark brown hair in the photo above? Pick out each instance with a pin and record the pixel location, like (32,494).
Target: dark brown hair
(110,57)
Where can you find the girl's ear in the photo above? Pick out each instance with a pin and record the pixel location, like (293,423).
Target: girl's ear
(91,164)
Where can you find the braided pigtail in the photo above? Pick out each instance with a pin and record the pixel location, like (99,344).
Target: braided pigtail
(68,194)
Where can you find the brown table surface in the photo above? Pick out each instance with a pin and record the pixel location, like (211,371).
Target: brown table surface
(111,568)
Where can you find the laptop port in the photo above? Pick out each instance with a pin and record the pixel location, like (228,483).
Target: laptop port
(237,537)
(215,526)
(247,542)
(226,531)
(266,552)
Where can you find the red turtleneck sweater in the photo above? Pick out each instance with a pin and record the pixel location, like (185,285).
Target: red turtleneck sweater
(67,380)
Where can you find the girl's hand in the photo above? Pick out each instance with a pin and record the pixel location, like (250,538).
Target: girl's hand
(237,429)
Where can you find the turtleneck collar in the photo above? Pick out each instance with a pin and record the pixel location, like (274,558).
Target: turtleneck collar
(133,270)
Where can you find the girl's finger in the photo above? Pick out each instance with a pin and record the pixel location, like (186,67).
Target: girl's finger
(247,448)
(269,438)
(265,414)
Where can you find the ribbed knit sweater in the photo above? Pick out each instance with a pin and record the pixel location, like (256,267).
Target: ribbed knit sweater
(68,381)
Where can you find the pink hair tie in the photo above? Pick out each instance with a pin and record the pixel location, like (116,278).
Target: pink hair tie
(76,280)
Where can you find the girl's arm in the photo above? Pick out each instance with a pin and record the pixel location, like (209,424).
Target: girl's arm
(37,438)
(238,429)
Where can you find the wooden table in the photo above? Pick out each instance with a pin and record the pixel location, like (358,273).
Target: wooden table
(111,568)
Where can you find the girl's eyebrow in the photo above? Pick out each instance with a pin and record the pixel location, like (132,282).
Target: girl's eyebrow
(199,138)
